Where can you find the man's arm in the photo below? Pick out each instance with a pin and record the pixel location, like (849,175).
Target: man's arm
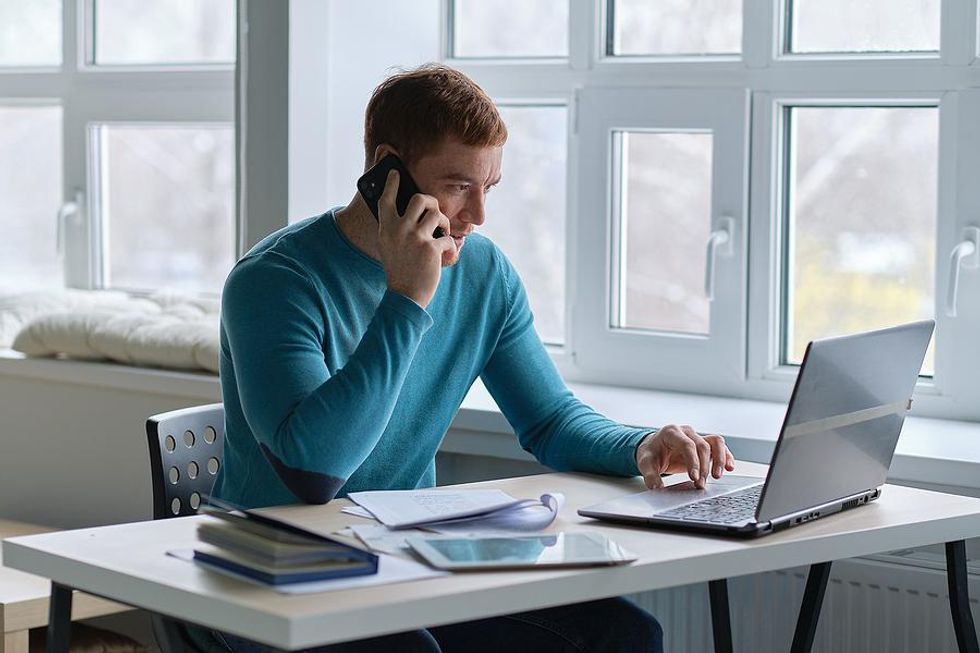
(314,427)
(564,433)
(553,425)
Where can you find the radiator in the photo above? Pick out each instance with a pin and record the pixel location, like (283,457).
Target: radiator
(895,603)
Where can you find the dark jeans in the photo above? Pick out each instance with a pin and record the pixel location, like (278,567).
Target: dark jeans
(606,626)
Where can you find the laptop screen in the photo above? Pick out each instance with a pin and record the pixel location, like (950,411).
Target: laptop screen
(844,418)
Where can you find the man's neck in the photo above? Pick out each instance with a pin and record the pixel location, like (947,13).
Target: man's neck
(358,225)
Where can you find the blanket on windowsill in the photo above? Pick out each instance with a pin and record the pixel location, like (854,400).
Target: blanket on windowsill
(167,329)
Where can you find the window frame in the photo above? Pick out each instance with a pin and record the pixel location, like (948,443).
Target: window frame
(95,94)
(949,79)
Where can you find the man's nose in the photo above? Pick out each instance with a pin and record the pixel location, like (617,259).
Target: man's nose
(475,210)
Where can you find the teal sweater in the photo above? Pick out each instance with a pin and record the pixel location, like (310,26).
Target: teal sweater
(334,384)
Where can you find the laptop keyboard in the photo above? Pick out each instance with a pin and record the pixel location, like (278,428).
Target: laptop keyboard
(728,508)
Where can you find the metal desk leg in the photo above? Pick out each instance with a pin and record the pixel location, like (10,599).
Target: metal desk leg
(806,625)
(59,619)
(959,597)
(721,625)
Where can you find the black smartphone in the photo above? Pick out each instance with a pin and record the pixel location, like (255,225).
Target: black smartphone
(372,184)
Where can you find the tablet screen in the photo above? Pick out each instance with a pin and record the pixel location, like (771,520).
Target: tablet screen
(558,549)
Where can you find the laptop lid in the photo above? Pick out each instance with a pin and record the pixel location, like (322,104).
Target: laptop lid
(844,418)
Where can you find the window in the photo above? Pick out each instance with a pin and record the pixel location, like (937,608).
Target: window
(138,32)
(30,194)
(860,27)
(739,177)
(30,33)
(674,27)
(117,143)
(509,28)
(861,221)
(166,204)
(529,210)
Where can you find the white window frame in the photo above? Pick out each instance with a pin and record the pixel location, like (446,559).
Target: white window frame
(712,361)
(91,95)
(949,79)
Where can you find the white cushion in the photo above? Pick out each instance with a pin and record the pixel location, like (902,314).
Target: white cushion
(165,330)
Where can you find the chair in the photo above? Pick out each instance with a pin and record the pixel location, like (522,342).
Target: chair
(185,455)
(186,448)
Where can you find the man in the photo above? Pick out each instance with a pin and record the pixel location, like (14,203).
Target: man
(348,344)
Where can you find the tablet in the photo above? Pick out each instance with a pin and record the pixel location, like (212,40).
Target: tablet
(520,552)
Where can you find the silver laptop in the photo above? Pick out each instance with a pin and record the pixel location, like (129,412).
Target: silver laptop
(833,452)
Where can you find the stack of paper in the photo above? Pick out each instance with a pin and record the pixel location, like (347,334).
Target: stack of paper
(453,511)
(270,551)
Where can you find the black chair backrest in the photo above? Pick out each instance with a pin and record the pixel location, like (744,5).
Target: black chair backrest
(185,455)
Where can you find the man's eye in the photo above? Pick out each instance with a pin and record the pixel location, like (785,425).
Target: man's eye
(461,188)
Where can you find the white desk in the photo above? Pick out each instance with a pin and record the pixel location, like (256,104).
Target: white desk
(127,563)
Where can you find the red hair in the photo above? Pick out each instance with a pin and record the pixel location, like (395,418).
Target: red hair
(416,110)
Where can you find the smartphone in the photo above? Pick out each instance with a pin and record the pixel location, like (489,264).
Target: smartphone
(372,184)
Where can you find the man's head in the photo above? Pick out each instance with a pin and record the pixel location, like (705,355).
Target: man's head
(449,134)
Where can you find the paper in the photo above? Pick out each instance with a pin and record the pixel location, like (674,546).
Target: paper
(357,511)
(391,569)
(529,515)
(427,508)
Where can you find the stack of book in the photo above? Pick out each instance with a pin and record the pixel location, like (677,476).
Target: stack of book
(265,549)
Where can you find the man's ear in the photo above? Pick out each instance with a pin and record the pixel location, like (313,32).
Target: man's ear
(381,151)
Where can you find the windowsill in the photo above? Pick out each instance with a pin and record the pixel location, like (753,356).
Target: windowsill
(930,451)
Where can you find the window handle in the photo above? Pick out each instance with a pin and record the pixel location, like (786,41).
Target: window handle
(719,244)
(966,254)
(67,210)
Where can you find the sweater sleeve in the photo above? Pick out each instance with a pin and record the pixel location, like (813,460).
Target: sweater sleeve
(553,425)
(315,428)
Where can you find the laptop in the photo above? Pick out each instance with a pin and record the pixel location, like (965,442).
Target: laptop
(834,449)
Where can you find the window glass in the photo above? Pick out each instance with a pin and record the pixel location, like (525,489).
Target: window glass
(510,28)
(132,32)
(861,234)
(30,195)
(665,219)
(526,211)
(674,27)
(30,32)
(167,205)
(866,26)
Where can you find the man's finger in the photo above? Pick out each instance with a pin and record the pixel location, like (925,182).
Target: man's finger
(692,459)
(718,454)
(420,207)
(704,455)
(389,194)
(729,460)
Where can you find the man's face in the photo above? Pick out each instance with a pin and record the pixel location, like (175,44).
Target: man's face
(459,177)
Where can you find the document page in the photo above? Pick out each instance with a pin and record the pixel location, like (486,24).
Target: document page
(407,508)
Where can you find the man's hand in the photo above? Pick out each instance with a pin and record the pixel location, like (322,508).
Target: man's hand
(675,449)
(411,257)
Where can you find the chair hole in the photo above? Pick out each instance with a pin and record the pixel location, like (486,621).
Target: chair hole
(174,475)
(210,435)
(189,438)
(170,442)
(175,506)
(195,501)
(192,469)
(213,465)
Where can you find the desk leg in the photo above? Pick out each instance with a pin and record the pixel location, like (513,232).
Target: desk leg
(59,619)
(806,625)
(959,597)
(721,624)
